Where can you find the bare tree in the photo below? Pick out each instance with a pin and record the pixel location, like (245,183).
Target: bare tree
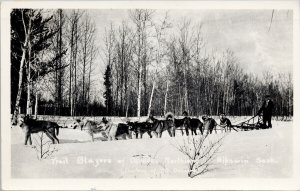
(73,43)
(43,146)
(59,72)
(200,152)
(160,53)
(88,52)
(141,18)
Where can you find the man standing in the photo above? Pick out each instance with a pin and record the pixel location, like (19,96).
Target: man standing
(266,109)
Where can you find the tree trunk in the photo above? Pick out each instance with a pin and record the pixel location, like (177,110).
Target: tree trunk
(218,103)
(29,107)
(127,107)
(152,92)
(84,62)
(60,73)
(145,82)
(75,69)
(166,99)
(36,105)
(71,71)
(89,78)
(17,106)
(28,104)
(139,92)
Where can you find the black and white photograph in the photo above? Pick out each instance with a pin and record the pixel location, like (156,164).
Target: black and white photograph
(157,91)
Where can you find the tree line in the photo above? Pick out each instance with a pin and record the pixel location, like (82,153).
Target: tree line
(151,66)
(52,62)
(154,67)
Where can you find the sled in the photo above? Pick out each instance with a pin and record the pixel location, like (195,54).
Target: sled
(254,123)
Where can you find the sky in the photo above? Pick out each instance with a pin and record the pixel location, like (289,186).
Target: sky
(258,46)
(245,32)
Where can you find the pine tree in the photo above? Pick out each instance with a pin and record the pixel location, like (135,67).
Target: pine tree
(108,90)
(31,33)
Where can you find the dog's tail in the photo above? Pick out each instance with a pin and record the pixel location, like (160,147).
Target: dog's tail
(169,116)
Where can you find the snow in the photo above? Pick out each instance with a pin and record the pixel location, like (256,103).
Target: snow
(255,154)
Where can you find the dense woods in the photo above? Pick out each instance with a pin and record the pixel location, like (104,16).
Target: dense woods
(149,64)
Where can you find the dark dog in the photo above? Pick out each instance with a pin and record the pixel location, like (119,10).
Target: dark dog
(122,129)
(193,124)
(179,124)
(226,123)
(209,124)
(159,126)
(34,126)
(139,128)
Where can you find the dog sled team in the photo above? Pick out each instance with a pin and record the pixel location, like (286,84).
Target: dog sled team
(112,131)
(152,126)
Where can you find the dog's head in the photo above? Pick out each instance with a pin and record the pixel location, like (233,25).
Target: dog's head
(185,113)
(222,116)
(23,120)
(204,118)
(186,121)
(74,124)
(131,125)
(150,119)
(105,120)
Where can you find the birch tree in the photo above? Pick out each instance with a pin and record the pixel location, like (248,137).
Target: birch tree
(141,19)
(27,33)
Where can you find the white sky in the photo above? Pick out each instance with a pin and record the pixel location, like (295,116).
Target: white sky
(245,32)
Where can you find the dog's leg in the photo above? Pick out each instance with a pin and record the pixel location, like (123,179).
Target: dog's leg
(159,133)
(50,136)
(182,132)
(30,141)
(92,135)
(136,135)
(54,136)
(195,131)
(27,136)
(170,132)
(187,131)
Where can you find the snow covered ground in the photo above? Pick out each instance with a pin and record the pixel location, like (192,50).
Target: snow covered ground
(255,154)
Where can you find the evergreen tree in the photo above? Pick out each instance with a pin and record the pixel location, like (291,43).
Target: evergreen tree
(108,91)
(31,33)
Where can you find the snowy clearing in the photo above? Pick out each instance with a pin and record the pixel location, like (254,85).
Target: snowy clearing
(255,154)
